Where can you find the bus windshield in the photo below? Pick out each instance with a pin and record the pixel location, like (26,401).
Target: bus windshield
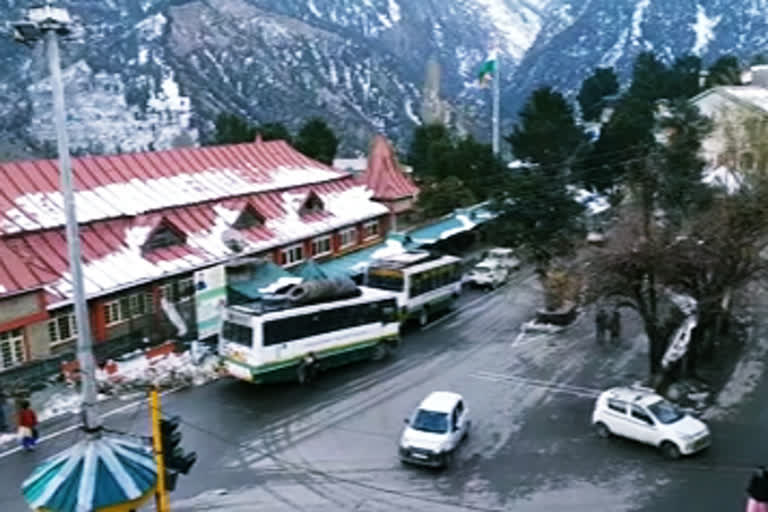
(386,279)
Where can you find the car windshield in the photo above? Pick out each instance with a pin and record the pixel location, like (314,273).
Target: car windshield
(430,421)
(666,412)
(482,270)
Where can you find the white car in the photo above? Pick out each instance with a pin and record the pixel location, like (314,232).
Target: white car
(504,257)
(641,414)
(435,430)
(487,274)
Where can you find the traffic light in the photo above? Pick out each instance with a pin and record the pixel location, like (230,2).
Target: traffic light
(174,458)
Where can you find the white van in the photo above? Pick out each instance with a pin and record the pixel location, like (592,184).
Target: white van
(505,257)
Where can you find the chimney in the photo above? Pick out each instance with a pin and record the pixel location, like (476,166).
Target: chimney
(760,75)
(258,139)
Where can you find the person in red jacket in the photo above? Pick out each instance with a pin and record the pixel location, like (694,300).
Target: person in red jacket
(27,426)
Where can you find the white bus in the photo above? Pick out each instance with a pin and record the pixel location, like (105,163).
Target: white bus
(422,283)
(270,341)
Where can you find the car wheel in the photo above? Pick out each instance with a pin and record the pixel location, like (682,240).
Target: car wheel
(670,450)
(423,317)
(602,430)
(447,459)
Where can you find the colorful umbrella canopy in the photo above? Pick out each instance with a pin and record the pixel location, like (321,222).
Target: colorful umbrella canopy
(95,474)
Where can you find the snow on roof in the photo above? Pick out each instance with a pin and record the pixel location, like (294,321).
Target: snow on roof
(751,95)
(133,184)
(200,207)
(440,401)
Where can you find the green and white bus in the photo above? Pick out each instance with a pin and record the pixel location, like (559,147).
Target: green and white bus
(278,340)
(424,284)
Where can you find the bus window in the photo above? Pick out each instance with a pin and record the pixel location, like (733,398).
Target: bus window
(237,333)
(386,280)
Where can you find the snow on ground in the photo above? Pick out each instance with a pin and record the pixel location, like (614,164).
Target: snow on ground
(637,20)
(704,28)
(131,375)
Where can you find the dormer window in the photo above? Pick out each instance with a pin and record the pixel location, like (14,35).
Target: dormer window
(163,236)
(312,204)
(249,218)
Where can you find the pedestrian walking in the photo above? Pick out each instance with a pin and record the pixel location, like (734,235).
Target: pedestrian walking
(757,491)
(601,325)
(27,426)
(615,327)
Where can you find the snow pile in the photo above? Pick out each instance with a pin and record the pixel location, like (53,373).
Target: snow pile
(172,370)
(534,326)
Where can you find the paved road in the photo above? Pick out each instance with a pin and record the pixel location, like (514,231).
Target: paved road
(332,446)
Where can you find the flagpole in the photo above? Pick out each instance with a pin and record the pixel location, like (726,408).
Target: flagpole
(496,89)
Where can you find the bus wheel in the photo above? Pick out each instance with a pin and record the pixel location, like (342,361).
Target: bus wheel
(423,317)
(380,351)
(306,370)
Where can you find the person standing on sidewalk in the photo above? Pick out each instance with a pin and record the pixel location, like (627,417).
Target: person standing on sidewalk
(27,426)
(615,327)
(601,325)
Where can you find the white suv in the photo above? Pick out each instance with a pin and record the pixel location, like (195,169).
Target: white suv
(642,415)
(435,430)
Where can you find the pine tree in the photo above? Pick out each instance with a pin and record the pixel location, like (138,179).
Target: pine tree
(725,71)
(231,129)
(274,131)
(602,83)
(317,140)
(547,133)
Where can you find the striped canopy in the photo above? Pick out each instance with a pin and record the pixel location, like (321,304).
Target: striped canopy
(95,474)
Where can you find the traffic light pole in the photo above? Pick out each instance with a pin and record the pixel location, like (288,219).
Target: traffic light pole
(161,496)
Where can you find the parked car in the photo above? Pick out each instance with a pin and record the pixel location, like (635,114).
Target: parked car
(435,429)
(642,415)
(505,257)
(487,274)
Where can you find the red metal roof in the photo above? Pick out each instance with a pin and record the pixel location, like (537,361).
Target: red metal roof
(199,192)
(131,184)
(383,174)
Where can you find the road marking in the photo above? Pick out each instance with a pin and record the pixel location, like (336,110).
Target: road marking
(59,433)
(469,304)
(580,391)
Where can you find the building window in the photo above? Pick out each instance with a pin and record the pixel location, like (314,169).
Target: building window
(11,348)
(62,328)
(249,218)
(112,313)
(163,236)
(292,255)
(348,238)
(177,291)
(371,229)
(321,246)
(313,204)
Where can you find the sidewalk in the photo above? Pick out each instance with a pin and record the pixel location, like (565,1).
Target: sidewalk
(58,404)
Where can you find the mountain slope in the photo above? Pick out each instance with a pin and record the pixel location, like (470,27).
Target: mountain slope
(156,73)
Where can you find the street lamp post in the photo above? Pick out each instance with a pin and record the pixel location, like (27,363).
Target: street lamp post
(48,23)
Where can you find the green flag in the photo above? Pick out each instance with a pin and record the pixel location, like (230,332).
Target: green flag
(487,70)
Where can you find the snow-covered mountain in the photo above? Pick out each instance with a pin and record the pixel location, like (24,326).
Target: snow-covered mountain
(158,71)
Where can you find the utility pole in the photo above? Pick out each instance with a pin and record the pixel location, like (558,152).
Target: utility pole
(162,503)
(496,108)
(48,23)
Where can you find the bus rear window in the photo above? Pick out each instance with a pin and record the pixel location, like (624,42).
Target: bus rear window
(237,333)
(386,280)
